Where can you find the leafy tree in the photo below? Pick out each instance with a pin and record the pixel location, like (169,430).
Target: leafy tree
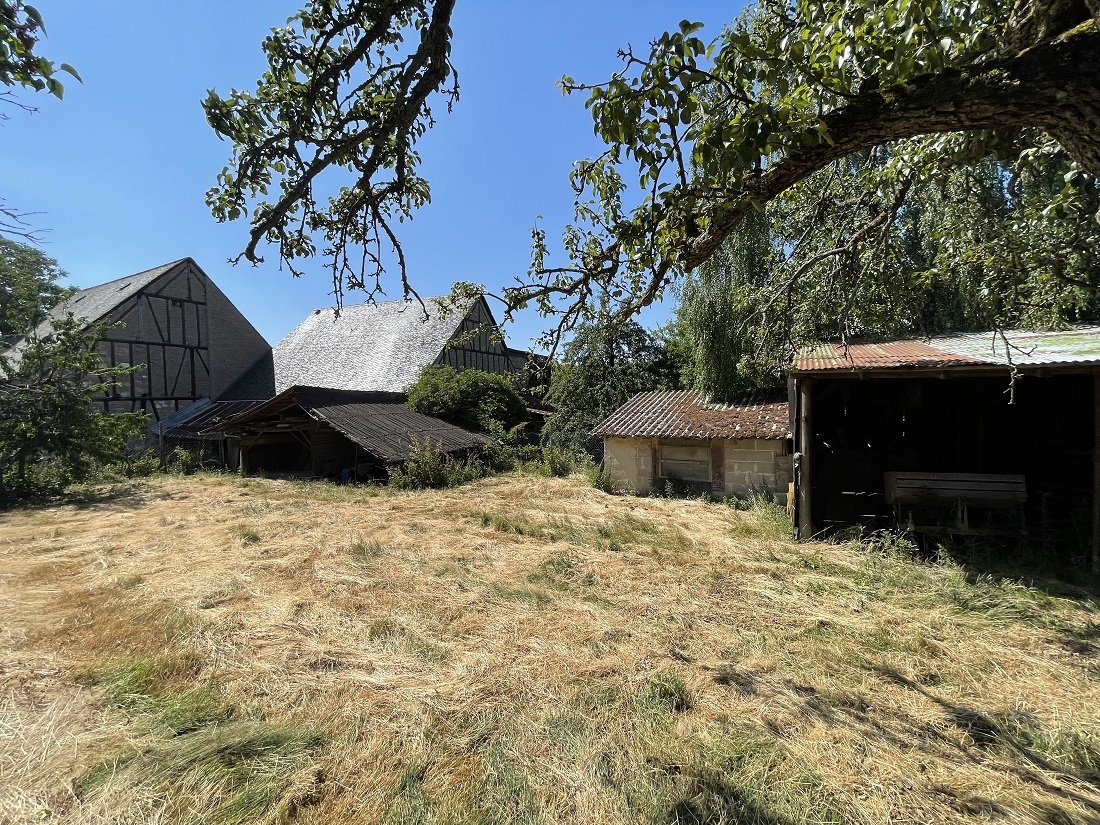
(50,433)
(469,398)
(21,66)
(601,368)
(28,287)
(348,88)
(968,249)
(710,131)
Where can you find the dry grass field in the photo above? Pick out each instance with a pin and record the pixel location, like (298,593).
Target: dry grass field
(217,650)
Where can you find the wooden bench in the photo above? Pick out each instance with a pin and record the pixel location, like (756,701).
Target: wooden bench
(949,497)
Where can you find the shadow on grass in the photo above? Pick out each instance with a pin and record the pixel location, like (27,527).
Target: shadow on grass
(127,495)
(709,799)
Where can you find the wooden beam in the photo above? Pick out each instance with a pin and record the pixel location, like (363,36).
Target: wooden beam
(804,463)
(1096,472)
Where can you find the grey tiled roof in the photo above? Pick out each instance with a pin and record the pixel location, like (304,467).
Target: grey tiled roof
(368,348)
(683,414)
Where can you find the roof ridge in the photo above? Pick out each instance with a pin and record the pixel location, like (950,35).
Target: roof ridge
(380,303)
(164,266)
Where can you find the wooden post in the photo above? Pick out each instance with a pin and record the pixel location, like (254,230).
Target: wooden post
(804,465)
(1096,472)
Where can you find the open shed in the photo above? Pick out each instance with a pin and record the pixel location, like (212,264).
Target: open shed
(320,433)
(678,436)
(984,413)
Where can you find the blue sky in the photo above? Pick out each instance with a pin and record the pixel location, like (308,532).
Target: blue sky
(118,170)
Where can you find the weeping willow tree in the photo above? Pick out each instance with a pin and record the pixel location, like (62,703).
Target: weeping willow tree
(861,251)
(720,315)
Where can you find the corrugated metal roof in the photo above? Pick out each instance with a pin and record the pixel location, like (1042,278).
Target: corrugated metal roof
(195,420)
(1080,345)
(381,423)
(684,414)
(367,348)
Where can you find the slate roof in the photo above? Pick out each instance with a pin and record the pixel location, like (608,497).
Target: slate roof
(95,302)
(367,348)
(1080,345)
(381,423)
(684,414)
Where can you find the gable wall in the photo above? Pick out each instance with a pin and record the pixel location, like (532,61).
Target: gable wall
(235,343)
(188,338)
(165,330)
(477,344)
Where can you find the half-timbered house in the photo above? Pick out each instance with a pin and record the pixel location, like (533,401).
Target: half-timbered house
(186,338)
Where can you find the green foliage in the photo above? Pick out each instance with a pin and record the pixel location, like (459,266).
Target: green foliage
(50,433)
(701,135)
(868,107)
(601,368)
(428,468)
(346,89)
(473,399)
(28,287)
(21,27)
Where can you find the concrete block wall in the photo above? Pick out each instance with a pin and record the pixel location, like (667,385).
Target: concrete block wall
(749,465)
(753,465)
(629,462)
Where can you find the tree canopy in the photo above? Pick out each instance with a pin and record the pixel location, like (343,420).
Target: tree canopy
(28,288)
(50,433)
(471,398)
(600,369)
(22,67)
(700,132)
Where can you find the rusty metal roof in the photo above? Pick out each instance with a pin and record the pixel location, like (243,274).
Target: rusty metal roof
(684,414)
(1080,345)
(379,422)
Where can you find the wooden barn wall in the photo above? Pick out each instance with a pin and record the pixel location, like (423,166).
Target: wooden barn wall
(166,331)
(235,343)
(477,344)
(332,452)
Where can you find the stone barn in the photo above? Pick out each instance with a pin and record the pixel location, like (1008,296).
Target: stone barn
(678,437)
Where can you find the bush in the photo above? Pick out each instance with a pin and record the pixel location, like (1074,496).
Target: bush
(599,478)
(428,468)
(473,399)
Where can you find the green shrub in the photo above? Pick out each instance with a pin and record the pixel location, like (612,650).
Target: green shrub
(599,478)
(473,399)
(427,468)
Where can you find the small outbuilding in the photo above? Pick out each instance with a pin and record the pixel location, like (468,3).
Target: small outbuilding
(679,437)
(310,432)
(953,435)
